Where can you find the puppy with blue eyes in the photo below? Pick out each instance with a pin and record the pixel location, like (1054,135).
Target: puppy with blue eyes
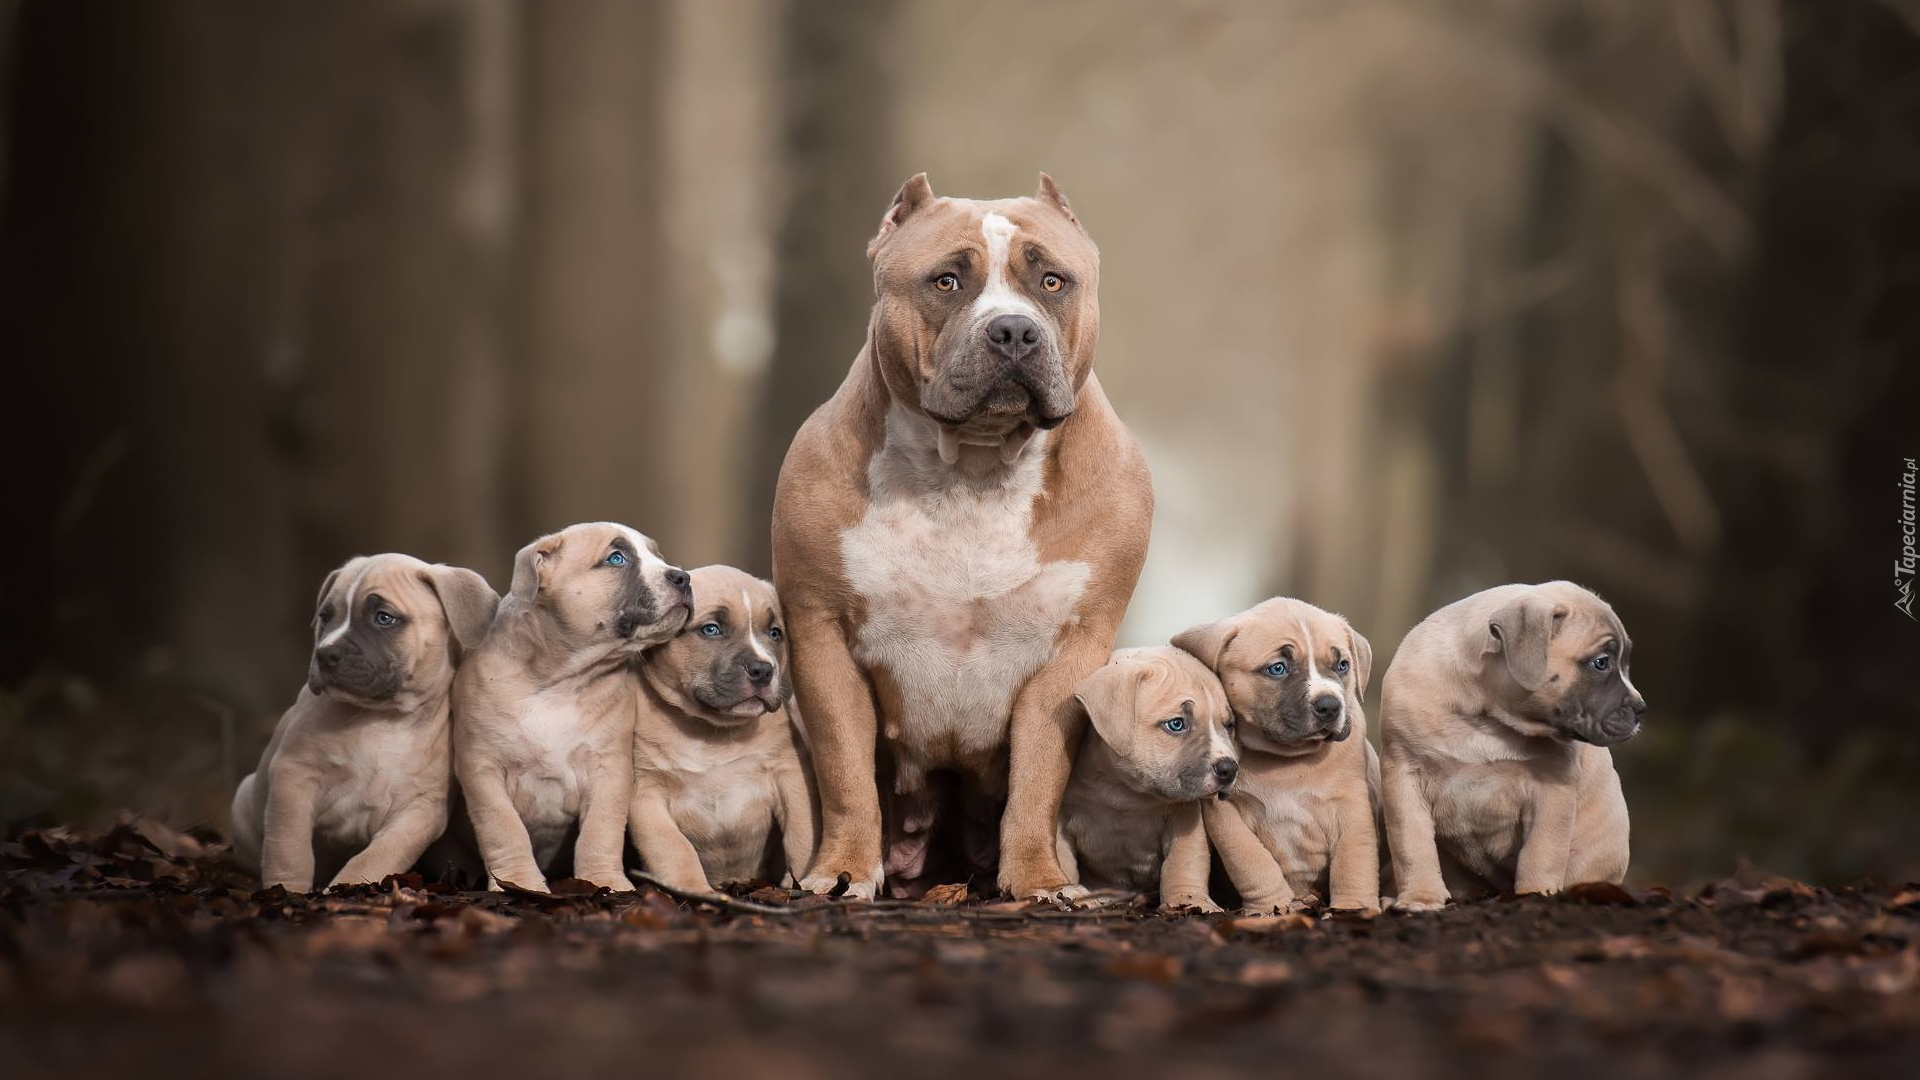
(722,790)
(544,709)
(1162,742)
(1302,823)
(1495,718)
(356,781)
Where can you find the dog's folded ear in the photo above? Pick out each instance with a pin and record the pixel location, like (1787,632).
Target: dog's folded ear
(325,588)
(468,601)
(1109,696)
(530,567)
(1208,642)
(1522,630)
(911,196)
(1362,661)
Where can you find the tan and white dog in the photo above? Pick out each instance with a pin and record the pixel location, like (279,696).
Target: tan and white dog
(1494,719)
(1162,743)
(355,783)
(720,772)
(1302,823)
(956,534)
(544,709)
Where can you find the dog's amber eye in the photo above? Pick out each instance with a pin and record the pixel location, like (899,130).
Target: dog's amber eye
(1053,282)
(946,282)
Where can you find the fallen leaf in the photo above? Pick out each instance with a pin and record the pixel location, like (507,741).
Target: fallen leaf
(955,893)
(1603,893)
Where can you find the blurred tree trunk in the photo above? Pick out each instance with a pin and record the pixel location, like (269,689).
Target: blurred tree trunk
(837,74)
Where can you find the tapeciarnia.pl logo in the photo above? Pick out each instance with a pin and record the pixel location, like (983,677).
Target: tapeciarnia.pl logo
(1903,566)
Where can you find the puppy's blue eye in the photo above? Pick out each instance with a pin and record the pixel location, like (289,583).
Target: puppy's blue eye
(1175,725)
(1599,662)
(1277,669)
(774,634)
(384,618)
(1340,667)
(617,558)
(710,630)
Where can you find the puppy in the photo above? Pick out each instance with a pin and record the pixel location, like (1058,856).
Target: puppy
(354,784)
(544,711)
(1302,823)
(718,763)
(1162,741)
(1494,717)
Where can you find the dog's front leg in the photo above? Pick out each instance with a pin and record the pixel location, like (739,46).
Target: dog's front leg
(665,850)
(1184,862)
(1410,837)
(798,817)
(1354,878)
(845,730)
(1046,729)
(1255,873)
(1549,843)
(505,847)
(402,839)
(286,857)
(599,853)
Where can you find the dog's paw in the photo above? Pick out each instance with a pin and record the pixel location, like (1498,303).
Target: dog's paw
(618,883)
(841,886)
(1078,896)
(1419,901)
(1191,904)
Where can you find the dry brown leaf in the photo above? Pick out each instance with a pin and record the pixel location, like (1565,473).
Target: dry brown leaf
(955,893)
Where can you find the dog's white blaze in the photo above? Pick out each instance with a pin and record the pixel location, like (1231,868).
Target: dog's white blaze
(1221,743)
(1317,683)
(961,610)
(999,297)
(346,616)
(753,628)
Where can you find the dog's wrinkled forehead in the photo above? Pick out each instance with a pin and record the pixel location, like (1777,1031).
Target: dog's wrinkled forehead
(987,236)
(741,596)
(395,579)
(1304,630)
(1173,678)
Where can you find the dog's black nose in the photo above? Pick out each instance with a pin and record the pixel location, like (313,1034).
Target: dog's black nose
(1638,704)
(1013,336)
(1225,769)
(678,578)
(328,657)
(1326,706)
(760,672)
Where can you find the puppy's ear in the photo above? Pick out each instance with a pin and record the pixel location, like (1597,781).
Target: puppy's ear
(913,194)
(1049,193)
(1108,695)
(325,588)
(531,567)
(468,601)
(1362,651)
(1522,631)
(1208,642)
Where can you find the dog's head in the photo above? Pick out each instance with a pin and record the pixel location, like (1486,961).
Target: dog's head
(728,665)
(1557,658)
(602,584)
(986,312)
(1166,720)
(386,624)
(1294,674)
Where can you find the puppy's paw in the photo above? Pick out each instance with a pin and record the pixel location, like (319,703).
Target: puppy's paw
(1077,896)
(1420,901)
(617,882)
(841,886)
(1190,904)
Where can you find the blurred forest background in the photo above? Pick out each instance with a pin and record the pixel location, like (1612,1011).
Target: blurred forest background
(1404,298)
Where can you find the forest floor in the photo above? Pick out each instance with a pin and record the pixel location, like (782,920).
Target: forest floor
(142,951)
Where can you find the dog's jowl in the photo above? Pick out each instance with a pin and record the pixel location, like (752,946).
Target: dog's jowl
(956,535)
(355,783)
(544,710)
(1495,716)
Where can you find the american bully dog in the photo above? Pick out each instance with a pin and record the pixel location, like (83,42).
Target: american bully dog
(720,773)
(1162,742)
(956,533)
(1494,721)
(1302,823)
(544,710)
(355,783)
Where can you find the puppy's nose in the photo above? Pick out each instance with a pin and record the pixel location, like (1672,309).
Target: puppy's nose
(328,657)
(760,672)
(1326,706)
(1637,703)
(678,578)
(1225,769)
(1013,336)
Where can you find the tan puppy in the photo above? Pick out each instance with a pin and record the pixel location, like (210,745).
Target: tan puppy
(1494,715)
(718,763)
(354,784)
(956,535)
(544,710)
(1302,823)
(1162,743)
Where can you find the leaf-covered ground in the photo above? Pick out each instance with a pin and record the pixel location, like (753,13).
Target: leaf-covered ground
(141,951)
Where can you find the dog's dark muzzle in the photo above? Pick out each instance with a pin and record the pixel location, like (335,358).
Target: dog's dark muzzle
(350,669)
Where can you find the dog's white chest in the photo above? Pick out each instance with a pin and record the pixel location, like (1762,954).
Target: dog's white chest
(960,608)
